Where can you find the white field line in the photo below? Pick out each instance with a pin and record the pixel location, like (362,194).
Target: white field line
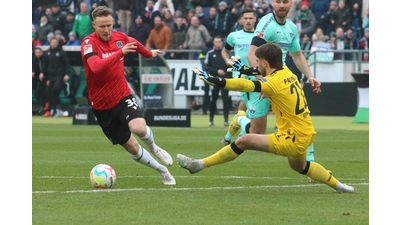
(196,177)
(174,188)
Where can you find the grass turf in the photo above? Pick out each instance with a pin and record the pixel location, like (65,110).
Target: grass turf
(256,188)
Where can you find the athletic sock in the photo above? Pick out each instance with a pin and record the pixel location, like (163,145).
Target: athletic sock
(148,139)
(144,157)
(225,154)
(243,121)
(318,173)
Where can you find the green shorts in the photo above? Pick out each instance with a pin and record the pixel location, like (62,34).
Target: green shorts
(256,108)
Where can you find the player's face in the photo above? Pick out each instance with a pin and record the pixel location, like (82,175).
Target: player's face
(103,27)
(248,21)
(281,7)
(261,67)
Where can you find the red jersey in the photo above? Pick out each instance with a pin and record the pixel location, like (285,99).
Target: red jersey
(104,67)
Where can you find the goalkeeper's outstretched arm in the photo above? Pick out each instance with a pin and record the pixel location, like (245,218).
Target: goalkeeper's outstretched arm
(231,84)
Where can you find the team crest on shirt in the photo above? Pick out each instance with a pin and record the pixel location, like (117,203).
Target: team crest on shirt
(119,44)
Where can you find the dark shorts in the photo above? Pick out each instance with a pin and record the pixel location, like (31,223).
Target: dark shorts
(114,122)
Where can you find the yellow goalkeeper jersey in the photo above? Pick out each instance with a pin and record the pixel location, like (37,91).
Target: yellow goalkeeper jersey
(287,98)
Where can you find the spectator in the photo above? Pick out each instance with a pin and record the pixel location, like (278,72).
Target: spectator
(319,36)
(57,18)
(364,44)
(202,17)
(49,37)
(69,23)
(305,20)
(328,27)
(39,65)
(168,19)
(216,66)
(189,16)
(58,68)
(365,22)
(35,40)
(196,37)
(83,22)
(223,21)
(212,15)
(124,9)
(296,5)
(149,13)
(339,43)
(178,38)
(341,17)
(319,8)
(238,25)
(43,29)
(356,21)
(169,3)
(61,39)
(72,39)
(350,42)
(37,11)
(263,10)
(305,43)
(160,36)
(236,11)
(139,30)
(205,4)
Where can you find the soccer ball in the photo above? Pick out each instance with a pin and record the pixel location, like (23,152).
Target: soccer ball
(102,176)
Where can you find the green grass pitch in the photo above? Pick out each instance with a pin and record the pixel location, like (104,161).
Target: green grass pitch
(256,188)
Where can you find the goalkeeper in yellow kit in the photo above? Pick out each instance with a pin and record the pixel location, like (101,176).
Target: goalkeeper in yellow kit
(295,128)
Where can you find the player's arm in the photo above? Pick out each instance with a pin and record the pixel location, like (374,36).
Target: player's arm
(225,54)
(141,49)
(251,56)
(230,84)
(302,64)
(97,64)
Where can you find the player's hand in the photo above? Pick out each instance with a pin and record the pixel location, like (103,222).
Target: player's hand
(129,47)
(239,66)
(203,75)
(156,52)
(316,84)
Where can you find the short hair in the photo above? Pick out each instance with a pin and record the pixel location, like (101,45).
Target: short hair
(101,11)
(272,53)
(248,10)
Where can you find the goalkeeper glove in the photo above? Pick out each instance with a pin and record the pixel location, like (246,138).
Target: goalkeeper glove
(208,78)
(239,66)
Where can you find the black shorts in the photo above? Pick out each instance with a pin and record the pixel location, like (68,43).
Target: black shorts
(114,122)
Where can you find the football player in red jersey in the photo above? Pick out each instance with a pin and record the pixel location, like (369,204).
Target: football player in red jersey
(117,111)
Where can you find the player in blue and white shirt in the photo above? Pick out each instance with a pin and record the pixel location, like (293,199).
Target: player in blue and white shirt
(253,108)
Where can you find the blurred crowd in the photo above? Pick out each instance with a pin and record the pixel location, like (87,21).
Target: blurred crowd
(191,24)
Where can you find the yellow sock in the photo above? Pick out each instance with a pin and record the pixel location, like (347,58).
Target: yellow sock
(319,173)
(225,154)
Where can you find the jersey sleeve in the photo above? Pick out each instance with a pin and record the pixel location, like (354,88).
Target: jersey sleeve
(90,53)
(230,42)
(141,49)
(295,45)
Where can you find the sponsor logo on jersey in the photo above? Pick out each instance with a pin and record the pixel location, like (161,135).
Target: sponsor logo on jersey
(260,34)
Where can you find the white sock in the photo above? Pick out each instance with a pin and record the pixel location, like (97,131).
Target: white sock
(144,157)
(148,139)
